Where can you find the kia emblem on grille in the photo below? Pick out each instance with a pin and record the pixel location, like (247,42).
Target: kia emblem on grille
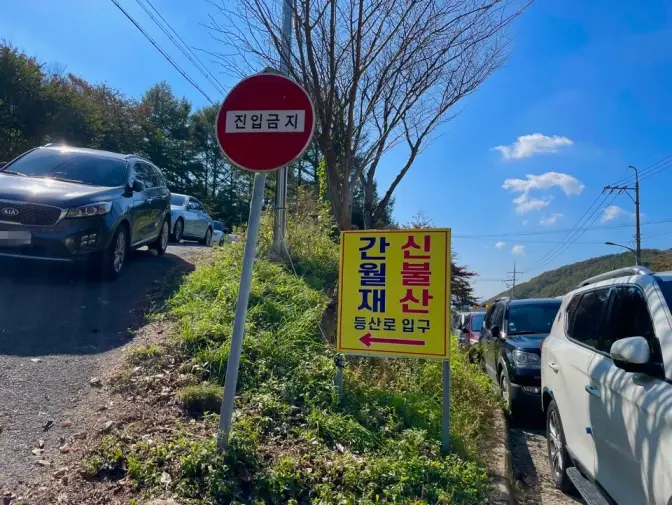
(9,212)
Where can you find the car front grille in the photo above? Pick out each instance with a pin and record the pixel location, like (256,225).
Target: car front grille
(30,214)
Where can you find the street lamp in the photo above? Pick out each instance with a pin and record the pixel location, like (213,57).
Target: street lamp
(633,251)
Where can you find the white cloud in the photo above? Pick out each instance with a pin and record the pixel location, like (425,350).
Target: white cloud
(550,220)
(568,184)
(518,249)
(527,145)
(525,203)
(500,245)
(613,212)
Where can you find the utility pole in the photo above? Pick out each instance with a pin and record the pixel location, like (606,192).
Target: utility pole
(626,190)
(280,216)
(512,280)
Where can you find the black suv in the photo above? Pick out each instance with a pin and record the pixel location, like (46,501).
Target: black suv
(510,342)
(65,204)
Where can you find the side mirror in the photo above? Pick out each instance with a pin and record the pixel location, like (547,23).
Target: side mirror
(138,186)
(633,354)
(496,331)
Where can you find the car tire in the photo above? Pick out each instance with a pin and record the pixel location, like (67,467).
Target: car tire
(505,390)
(208,238)
(558,457)
(110,264)
(178,231)
(161,243)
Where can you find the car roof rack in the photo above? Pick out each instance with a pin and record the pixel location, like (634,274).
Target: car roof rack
(621,272)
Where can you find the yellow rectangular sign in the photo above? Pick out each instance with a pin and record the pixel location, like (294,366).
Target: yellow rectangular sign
(394,293)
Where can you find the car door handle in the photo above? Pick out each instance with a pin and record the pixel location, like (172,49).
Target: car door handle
(554,366)
(593,391)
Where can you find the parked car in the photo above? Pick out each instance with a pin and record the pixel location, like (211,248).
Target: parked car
(190,221)
(470,334)
(510,342)
(607,389)
(218,235)
(65,204)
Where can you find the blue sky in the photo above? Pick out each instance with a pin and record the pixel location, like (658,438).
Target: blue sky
(585,93)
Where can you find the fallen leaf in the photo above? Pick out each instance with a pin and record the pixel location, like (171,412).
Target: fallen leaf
(60,472)
(64,449)
(48,425)
(107,427)
(66,424)
(166,478)
(95,381)
(37,452)
(43,462)
(40,443)
(79,436)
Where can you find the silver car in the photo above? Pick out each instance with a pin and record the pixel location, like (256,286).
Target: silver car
(189,220)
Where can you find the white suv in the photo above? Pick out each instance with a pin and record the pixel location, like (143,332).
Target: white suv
(606,376)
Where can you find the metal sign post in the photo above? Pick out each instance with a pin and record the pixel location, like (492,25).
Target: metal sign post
(445,431)
(265,122)
(233,364)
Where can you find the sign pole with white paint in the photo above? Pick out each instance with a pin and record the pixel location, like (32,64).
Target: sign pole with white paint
(265,122)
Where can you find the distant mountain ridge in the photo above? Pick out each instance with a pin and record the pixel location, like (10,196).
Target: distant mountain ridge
(562,280)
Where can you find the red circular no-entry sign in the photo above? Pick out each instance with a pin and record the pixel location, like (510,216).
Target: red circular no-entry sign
(265,122)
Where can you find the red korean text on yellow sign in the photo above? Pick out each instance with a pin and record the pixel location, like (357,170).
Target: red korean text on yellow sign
(394,293)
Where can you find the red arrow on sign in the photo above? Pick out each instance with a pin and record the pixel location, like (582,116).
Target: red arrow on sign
(368,339)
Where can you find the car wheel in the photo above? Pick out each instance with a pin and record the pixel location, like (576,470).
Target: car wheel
(161,242)
(178,231)
(112,261)
(558,457)
(505,389)
(208,237)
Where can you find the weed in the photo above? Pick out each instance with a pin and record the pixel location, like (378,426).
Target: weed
(200,398)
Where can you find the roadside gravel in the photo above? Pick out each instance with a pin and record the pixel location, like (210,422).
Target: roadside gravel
(533,481)
(58,331)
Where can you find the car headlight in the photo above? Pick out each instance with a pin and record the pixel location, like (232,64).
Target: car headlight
(96,209)
(525,359)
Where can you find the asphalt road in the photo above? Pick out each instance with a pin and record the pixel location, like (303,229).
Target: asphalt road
(58,329)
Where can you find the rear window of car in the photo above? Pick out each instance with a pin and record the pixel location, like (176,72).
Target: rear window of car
(477,321)
(176,200)
(532,317)
(72,166)
(666,288)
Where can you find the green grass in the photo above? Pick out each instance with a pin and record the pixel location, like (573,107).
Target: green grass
(293,439)
(200,398)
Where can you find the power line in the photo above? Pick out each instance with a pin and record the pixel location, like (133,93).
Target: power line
(653,169)
(574,236)
(495,236)
(184,48)
(165,55)
(567,235)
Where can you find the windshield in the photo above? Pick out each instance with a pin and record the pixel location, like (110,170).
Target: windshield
(70,166)
(177,200)
(477,321)
(218,226)
(532,318)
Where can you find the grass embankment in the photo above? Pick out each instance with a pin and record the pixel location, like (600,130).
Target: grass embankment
(293,440)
